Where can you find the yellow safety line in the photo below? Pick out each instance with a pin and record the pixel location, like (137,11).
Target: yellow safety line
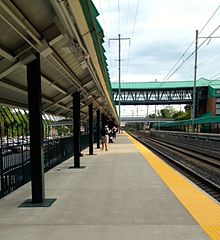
(204,210)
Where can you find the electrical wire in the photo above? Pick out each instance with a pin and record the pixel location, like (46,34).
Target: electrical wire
(185,60)
(119,27)
(171,72)
(103,19)
(208,57)
(135,18)
(209,36)
(209,19)
(214,77)
(132,33)
(208,64)
(183,55)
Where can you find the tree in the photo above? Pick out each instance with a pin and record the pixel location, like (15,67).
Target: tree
(187,108)
(183,116)
(167,112)
(151,115)
(170,112)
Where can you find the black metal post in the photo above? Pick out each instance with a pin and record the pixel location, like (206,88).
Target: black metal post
(35,127)
(76,130)
(194,85)
(98,128)
(1,163)
(103,120)
(90,129)
(210,128)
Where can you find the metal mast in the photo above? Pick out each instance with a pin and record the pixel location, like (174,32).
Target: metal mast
(119,73)
(194,86)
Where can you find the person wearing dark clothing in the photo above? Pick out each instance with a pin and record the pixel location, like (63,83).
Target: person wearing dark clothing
(111,136)
(114,130)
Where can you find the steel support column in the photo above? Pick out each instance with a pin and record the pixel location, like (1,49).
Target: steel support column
(35,127)
(103,121)
(98,128)
(76,127)
(90,129)
(1,165)
(36,140)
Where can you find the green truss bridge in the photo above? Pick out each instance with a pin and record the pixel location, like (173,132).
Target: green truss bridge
(173,92)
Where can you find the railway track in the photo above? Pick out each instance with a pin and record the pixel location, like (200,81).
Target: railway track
(201,169)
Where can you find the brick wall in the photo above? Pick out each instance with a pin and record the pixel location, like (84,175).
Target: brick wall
(210,106)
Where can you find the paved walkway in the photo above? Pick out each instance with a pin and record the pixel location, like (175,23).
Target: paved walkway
(117,196)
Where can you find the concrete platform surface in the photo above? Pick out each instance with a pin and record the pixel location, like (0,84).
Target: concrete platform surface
(117,196)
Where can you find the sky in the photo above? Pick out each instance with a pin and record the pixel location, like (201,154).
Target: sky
(160,32)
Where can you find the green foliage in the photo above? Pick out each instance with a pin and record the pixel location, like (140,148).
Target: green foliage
(151,115)
(187,108)
(62,131)
(167,112)
(13,123)
(183,116)
(170,112)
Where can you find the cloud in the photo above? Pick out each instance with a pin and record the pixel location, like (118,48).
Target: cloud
(163,30)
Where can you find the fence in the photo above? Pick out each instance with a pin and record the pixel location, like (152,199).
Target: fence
(202,125)
(15,165)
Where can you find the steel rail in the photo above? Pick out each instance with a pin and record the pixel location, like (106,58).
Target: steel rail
(202,182)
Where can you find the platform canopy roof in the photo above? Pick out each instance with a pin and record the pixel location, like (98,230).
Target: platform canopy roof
(202,82)
(69,39)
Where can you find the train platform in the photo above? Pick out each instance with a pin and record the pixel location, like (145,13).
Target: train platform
(124,193)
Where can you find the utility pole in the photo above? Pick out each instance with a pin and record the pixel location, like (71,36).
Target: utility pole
(195,76)
(119,74)
(155,109)
(194,85)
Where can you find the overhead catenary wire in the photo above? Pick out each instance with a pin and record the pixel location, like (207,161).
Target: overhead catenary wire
(209,57)
(107,32)
(119,27)
(127,15)
(191,54)
(103,19)
(132,33)
(208,64)
(209,19)
(135,18)
(183,60)
(214,77)
(184,57)
(181,57)
(172,71)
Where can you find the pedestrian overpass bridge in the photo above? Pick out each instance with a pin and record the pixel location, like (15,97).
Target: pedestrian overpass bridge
(172,92)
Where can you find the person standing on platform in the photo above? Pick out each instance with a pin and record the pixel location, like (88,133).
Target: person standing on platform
(114,131)
(104,133)
(111,136)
